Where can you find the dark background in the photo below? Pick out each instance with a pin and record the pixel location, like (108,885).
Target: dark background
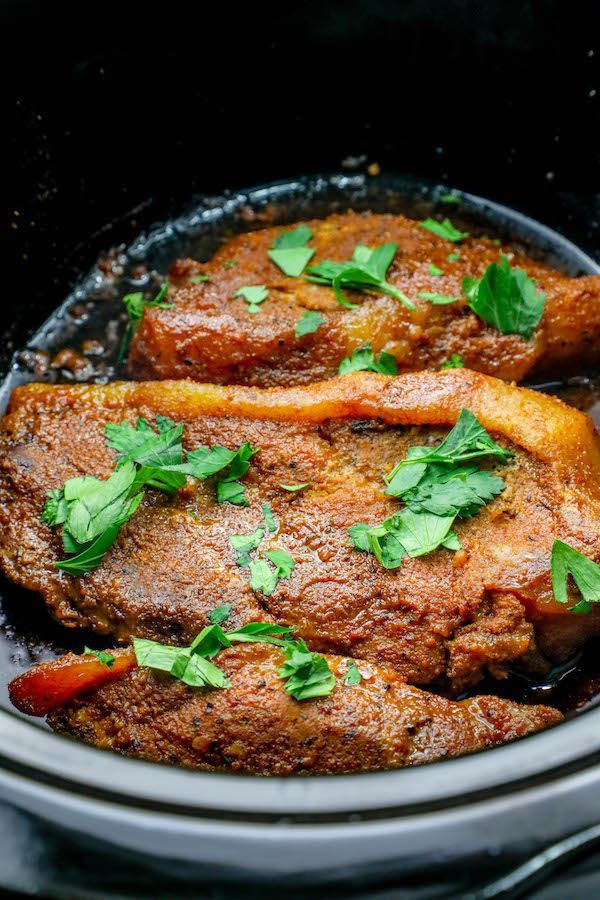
(116,114)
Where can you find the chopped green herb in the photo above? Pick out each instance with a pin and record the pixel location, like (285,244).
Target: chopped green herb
(435,270)
(306,674)
(269,518)
(450,198)
(253,294)
(290,253)
(455,362)
(230,264)
(91,512)
(192,664)
(105,658)
(436,488)
(135,304)
(363,360)
(200,278)
(263,578)
(584,571)
(219,615)
(308,324)
(244,544)
(506,298)
(453,257)
(294,487)
(352,675)
(444,229)
(437,299)
(366,271)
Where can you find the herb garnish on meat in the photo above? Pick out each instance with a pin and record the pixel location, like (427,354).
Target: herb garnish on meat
(506,298)
(444,229)
(135,304)
(585,573)
(366,271)
(437,486)
(308,324)
(92,510)
(363,360)
(289,251)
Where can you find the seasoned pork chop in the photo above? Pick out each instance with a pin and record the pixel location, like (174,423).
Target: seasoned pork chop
(210,335)
(442,615)
(255,726)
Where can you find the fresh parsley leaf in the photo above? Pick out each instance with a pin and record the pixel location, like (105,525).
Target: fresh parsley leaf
(444,229)
(181,662)
(363,359)
(366,271)
(585,573)
(455,491)
(506,298)
(308,324)
(450,198)
(204,462)
(200,278)
(453,257)
(156,453)
(282,561)
(306,674)
(436,489)
(467,440)
(434,270)
(437,299)
(244,544)
(269,518)
(91,512)
(263,578)
(292,488)
(352,675)
(106,658)
(218,615)
(135,304)
(253,294)
(261,633)
(290,253)
(455,362)
(230,264)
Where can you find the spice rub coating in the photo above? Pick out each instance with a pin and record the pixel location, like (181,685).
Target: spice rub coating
(443,616)
(256,727)
(209,335)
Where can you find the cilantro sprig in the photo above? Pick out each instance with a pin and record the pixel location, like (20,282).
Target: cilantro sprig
(263,576)
(289,251)
(454,362)
(585,573)
(437,485)
(366,271)
(506,298)
(135,304)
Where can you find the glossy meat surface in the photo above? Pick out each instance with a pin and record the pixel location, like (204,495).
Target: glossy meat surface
(209,335)
(256,727)
(443,616)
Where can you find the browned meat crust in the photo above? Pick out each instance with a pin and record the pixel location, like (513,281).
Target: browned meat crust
(441,615)
(210,336)
(255,726)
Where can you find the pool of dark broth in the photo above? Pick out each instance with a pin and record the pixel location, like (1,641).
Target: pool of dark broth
(79,343)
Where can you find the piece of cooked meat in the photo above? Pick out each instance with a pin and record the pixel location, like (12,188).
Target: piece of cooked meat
(255,726)
(443,615)
(209,335)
